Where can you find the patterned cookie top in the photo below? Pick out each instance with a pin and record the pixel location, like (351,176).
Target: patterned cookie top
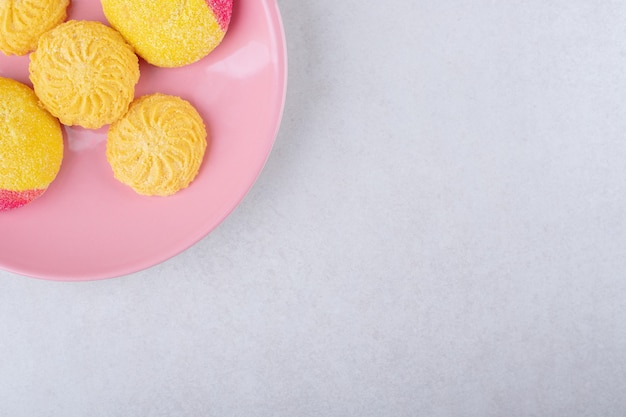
(31,141)
(22,22)
(158,146)
(170,33)
(84,73)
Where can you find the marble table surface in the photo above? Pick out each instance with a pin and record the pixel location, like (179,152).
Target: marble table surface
(439,231)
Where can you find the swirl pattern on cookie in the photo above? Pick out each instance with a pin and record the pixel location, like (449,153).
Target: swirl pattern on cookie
(22,22)
(158,146)
(31,145)
(84,73)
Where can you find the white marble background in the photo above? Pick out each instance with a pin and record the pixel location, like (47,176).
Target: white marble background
(439,231)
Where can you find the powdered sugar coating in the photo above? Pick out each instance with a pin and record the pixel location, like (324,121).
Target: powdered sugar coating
(170,33)
(15,199)
(31,145)
(223,10)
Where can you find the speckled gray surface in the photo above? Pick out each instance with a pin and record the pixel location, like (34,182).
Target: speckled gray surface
(438,232)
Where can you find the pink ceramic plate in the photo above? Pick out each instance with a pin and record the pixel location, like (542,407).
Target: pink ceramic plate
(89,226)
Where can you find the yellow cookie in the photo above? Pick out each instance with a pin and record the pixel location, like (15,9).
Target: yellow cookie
(22,22)
(158,146)
(84,73)
(170,33)
(31,145)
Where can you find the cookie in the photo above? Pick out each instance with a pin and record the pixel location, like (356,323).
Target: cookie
(84,73)
(22,22)
(31,145)
(170,33)
(158,146)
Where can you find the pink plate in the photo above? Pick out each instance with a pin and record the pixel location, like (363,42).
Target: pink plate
(88,226)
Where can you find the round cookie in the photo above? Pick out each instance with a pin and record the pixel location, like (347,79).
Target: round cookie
(158,146)
(22,22)
(84,73)
(31,145)
(170,33)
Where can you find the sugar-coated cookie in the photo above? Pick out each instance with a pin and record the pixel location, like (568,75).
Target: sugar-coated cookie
(22,22)
(158,146)
(170,33)
(84,73)
(31,145)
